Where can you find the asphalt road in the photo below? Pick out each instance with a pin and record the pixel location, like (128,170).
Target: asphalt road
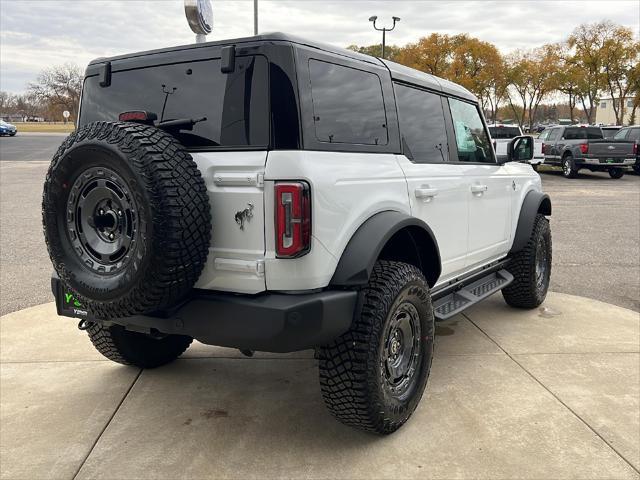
(595,225)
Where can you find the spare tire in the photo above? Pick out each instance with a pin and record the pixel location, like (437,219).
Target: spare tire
(126,218)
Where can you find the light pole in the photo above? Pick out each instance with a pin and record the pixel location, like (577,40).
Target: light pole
(255,17)
(383,30)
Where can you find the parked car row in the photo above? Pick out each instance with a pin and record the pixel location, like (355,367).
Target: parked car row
(502,134)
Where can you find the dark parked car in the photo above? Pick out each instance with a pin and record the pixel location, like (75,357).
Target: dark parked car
(631,134)
(7,129)
(576,147)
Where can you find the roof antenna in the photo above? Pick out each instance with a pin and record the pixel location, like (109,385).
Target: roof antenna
(200,17)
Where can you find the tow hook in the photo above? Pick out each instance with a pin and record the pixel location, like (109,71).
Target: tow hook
(84,324)
(247,353)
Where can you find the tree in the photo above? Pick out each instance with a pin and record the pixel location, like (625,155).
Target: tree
(59,86)
(531,76)
(433,54)
(478,66)
(391,51)
(567,77)
(620,56)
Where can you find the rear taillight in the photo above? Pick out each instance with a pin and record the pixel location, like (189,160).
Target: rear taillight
(137,116)
(293,219)
(584,147)
(543,148)
(635,148)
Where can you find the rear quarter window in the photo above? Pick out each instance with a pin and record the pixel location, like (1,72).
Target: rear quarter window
(235,105)
(348,106)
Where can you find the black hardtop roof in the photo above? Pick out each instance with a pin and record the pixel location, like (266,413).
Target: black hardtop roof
(398,72)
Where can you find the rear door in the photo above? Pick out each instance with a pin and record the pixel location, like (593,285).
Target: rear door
(229,143)
(438,192)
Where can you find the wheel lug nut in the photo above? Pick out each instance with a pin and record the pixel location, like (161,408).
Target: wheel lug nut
(111,236)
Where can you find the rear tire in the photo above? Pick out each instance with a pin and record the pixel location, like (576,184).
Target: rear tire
(616,173)
(373,376)
(531,268)
(133,348)
(636,168)
(569,169)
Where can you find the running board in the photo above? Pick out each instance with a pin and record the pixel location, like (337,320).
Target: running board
(454,303)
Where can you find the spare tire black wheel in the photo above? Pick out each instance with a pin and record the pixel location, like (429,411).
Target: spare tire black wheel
(126,218)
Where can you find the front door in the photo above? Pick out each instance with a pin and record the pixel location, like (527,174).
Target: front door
(488,186)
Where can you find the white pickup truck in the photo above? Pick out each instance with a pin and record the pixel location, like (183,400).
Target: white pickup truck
(502,134)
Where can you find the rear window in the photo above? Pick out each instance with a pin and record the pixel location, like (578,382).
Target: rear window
(234,105)
(498,133)
(347,105)
(582,133)
(609,132)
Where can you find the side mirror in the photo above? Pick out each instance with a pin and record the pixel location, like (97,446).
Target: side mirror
(520,149)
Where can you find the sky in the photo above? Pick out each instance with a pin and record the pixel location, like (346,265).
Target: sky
(35,34)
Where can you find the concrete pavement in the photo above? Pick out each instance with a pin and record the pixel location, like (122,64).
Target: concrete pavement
(548,393)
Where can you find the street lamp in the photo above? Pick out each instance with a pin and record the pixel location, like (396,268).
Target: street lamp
(383,30)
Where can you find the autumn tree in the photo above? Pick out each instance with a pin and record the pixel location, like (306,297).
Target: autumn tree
(433,54)
(531,79)
(59,86)
(479,67)
(620,55)
(390,51)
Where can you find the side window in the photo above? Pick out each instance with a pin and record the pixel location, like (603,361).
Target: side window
(544,134)
(472,140)
(422,126)
(347,105)
(621,134)
(634,134)
(554,134)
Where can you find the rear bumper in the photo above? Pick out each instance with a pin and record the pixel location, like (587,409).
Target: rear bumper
(269,322)
(608,162)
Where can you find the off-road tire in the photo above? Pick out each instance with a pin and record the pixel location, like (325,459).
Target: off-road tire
(133,348)
(172,220)
(526,291)
(569,169)
(352,368)
(616,173)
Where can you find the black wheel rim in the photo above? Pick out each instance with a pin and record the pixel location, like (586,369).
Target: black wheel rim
(102,220)
(542,264)
(401,349)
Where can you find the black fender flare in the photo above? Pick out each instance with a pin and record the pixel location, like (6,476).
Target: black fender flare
(366,244)
(534,202)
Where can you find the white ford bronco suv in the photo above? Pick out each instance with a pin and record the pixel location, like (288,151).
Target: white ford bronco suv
(274,194)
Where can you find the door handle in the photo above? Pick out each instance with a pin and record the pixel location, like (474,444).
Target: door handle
(480,189)
(426,193)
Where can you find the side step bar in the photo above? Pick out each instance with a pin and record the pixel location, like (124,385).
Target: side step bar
(452,304)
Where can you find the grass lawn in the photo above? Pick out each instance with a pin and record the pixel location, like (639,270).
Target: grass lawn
(44,127)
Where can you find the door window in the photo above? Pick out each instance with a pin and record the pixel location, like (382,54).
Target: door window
(347,105)
(472,139)
(422,125)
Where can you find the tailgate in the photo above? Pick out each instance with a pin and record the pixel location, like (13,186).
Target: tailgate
(610,149)
(236,195)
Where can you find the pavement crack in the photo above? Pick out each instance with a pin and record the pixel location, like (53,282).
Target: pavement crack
(108,422)
(553,394)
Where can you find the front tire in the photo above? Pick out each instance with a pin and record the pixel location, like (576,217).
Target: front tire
(138,349)
(569,169)
(373,376)
(531,268)
(616,173)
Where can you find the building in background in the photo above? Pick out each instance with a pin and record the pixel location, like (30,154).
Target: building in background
(605,114)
